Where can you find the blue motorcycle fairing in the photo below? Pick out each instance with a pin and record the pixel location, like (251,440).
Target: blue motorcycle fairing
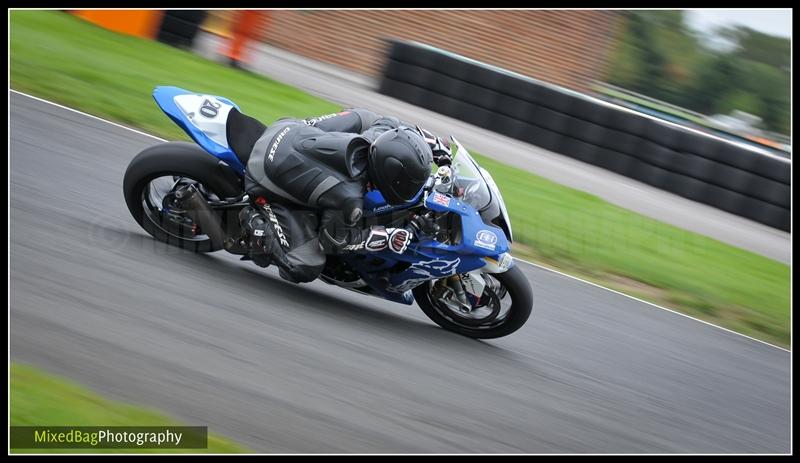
(423,267)
(477,237)
(374,204)
(165,98)
(430,259)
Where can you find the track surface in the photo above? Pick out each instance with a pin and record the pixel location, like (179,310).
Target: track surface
(314,368)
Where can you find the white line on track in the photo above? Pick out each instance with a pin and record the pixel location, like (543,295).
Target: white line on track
(527,262)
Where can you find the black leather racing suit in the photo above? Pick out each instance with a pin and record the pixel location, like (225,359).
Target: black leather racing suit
(308,179)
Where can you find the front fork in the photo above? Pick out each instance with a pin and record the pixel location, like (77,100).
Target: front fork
(467,288)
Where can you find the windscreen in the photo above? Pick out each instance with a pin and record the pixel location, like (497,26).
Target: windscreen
(468,179)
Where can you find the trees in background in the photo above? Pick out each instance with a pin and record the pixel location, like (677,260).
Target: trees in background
(658,55)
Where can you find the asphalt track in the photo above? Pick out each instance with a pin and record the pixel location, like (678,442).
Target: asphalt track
(314,368)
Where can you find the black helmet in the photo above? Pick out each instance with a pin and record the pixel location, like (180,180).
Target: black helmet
(399,164)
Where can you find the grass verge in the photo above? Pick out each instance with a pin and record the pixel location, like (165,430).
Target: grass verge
(583,235)
(40,399)
(61,58)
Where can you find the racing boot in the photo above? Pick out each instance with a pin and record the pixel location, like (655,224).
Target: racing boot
(258,237)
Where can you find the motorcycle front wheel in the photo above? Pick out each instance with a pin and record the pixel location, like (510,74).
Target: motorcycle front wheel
(504,306)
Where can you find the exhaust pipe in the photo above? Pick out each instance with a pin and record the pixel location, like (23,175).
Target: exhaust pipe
(197,209)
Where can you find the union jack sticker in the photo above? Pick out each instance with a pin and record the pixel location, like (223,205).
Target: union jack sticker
(444,200)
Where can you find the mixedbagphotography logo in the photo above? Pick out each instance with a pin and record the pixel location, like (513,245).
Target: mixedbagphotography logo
(109,437)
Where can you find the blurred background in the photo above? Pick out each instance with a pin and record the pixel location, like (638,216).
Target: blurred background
(726,72)
(645,151)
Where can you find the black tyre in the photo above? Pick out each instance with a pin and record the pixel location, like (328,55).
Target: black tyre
(510,288)
(157,166)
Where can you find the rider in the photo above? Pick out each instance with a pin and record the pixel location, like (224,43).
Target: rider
(306,181)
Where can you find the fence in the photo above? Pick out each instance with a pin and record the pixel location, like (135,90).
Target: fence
(686,162)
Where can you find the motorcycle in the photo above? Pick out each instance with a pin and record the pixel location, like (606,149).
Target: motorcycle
(457,268)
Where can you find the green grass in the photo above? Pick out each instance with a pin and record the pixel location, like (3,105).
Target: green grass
(40,399)
(61,58)
(64,59)
(583,235)
(652,105)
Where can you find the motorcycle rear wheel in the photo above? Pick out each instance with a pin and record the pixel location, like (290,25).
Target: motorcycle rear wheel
(151,170)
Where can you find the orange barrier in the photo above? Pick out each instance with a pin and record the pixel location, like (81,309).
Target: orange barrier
(141,23)
(246,26)
(765,141)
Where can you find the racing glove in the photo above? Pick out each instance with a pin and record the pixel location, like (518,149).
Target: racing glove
(337,236)
(379,238)
(399,239)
